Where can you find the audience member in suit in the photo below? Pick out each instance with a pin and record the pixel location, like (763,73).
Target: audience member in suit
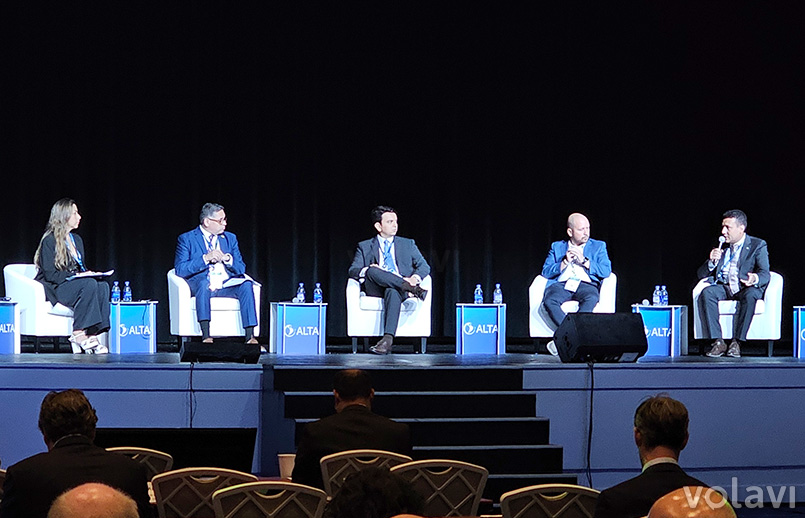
(574,269)
(375,492)
(208,256)
(391,267)
(67,422)
(93,500)
(352,427)
(739,273)
(60,256)
(660,433)
(692,502)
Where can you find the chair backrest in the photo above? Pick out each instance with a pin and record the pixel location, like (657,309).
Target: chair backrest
(270,500)
(449,487)
(185,493)
(155,462)
(337,466)
(549,501)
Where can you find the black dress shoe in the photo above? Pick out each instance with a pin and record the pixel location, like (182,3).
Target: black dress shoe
(420,293)
(383,346)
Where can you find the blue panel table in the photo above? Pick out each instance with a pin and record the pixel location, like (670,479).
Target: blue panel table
(480,328)
(298,328)
(133,327)
(666,329)
(9,327)
(799,331)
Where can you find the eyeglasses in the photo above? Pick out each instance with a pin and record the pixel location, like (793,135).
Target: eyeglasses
(221,221)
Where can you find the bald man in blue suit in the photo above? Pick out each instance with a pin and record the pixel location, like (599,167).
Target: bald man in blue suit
(206,257)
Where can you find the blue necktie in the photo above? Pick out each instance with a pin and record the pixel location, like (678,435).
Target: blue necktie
(388,262)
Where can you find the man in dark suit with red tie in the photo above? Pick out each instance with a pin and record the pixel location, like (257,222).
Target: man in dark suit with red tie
(740,273)
(352,427)
(208,257)
(660,433)
(390,267)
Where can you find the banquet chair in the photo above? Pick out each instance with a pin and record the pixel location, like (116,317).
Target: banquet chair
(337,466)
(449,487)
(187,493)
(549,501)
(269,500)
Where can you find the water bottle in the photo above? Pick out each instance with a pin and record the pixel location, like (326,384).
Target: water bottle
(655,299)
(318,297)
(127,292)
(663,296)
(116,292)
(300,292)
(497,295)
(479,294)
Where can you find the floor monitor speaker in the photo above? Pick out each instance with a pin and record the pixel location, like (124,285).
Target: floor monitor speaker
(601,337)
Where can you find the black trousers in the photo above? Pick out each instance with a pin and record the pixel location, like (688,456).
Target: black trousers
(708,308)
(380,283)
(89,300)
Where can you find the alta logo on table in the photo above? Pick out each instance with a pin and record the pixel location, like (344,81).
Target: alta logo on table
(6,328)
(290,331)
(134,330)
(663,332)
(485,329)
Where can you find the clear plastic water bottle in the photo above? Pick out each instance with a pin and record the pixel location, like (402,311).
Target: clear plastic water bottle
(127,292)
(497,295)
(300,292)
(478,296)
(318,297)
(655,299)
(663,296)
(116,292)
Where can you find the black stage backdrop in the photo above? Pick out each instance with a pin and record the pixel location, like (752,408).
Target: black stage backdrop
(484,128)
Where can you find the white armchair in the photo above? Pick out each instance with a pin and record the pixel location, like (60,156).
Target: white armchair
(225,312)
(365,314)
(540,325)
(38,317)
(765,323)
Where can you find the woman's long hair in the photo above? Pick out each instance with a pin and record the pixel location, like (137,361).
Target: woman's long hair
(57,225)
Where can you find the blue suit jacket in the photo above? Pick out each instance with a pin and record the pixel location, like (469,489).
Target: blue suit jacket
(409,259)
(189,261)
(595,250)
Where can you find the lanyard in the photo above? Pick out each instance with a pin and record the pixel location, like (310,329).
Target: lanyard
(76,254)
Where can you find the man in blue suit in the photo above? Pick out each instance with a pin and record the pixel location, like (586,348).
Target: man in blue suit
(209,259)
(391,267)
(574,269)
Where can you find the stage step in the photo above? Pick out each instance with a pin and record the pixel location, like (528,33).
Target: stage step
(404,380)
(396,405)
(543,458)
(477,415)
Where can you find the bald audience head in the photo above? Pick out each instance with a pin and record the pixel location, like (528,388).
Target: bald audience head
(692,502)
(93,501)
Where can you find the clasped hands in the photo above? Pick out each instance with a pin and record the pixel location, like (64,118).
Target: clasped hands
(576,256)
(215,256)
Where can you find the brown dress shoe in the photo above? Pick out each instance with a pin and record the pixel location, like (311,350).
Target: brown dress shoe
(252,341)
(734,350)
(383,346)
(718,349)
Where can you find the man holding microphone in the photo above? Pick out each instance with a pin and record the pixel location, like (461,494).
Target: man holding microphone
(741,273)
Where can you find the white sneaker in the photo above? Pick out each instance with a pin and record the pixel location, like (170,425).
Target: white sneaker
(552,348)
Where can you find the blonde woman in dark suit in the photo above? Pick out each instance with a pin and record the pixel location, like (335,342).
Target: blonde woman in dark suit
(59,257)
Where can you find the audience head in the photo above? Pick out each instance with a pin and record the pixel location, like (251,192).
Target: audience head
(578,228)
(692,502)
(660,427)
(66,413)
(384,219)
(351,387)
(374,493)
(93,501)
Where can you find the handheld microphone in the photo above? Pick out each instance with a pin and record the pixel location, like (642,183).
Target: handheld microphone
(721,241)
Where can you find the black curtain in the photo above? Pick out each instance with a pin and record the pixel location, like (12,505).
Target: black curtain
(484,129)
